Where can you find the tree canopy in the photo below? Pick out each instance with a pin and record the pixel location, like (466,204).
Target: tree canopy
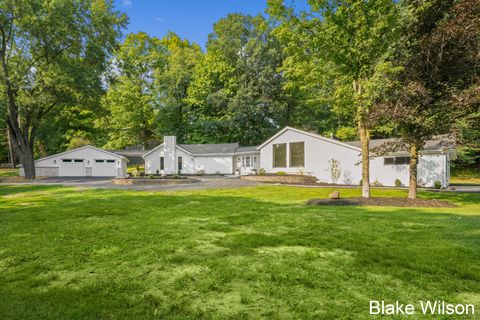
(353,69)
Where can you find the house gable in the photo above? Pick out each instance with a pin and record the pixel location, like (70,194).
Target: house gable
(317,136)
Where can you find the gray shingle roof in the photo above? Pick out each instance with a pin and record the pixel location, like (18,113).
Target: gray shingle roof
(212,148)
(436,144)
(247,149)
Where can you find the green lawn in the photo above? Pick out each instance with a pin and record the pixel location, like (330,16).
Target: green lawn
(227,254)
(8,173)
(469,175)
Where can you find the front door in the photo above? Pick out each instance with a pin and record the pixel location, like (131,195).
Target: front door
(247,164)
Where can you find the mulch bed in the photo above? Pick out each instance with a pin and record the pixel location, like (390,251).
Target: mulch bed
(383,201)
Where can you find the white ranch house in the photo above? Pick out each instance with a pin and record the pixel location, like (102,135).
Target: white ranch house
(290,150)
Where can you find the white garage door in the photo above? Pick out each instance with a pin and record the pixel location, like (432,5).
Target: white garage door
(104,168)
(72,168)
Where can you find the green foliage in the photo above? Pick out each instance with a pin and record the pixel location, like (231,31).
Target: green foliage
(398,183)
(236,93)
(261,172)
(130,100)
(280,173)
(53,57)
(438,184)
(241,260)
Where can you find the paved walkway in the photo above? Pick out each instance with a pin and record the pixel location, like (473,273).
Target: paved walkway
(206,182)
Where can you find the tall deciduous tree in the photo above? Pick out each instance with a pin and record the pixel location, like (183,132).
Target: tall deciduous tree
(171,86)
(51,52)
(237,89)
(351,40)
(130,101)
(438,89)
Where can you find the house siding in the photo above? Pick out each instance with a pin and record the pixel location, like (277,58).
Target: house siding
(318,153)
(51,166)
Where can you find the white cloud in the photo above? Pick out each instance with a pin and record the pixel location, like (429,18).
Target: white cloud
(127,3)
(158,19)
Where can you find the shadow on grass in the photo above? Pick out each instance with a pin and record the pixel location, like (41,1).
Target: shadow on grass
(110,253)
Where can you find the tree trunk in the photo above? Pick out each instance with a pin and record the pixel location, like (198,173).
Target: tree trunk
(412,186)
(10,150)
(29,164)
(23,147)
(365,143)
(364,134)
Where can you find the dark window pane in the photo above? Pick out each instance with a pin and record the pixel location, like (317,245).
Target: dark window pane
(99,161)
(180,164)
(388,161)
(162,163)
(111,161)
(78,160)
(297,154)
(402,160)
(66,160)
(280,155)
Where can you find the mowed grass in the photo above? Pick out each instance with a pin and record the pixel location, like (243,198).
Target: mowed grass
(469,175)
(248,253)
(8,173)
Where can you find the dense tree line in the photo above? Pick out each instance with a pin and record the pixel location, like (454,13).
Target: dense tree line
(354,69)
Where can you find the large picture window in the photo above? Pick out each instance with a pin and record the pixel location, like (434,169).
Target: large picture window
(297,154)
(280,155)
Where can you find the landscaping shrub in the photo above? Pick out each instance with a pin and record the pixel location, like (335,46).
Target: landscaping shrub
(377,183)
(398,183)
(437,184)
(261,172)
(281,173)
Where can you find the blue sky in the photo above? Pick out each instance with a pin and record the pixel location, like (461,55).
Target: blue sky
(188,18)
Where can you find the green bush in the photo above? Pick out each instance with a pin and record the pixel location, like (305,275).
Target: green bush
(377,183)
(281,173)
(150,176)
(398,183)
(261,172)
(437,184)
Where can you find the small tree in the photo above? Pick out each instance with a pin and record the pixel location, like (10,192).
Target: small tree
(335,170)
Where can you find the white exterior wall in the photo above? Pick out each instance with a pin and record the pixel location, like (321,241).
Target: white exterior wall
(152,161)
(318,152)
(169,149)
(191,164)
(51,166)
(431,168)
(214,164)
(188,163)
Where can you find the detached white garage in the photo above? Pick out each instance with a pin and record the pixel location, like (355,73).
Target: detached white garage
(86,161)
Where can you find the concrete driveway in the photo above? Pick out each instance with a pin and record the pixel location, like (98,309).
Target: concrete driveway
(206,182)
